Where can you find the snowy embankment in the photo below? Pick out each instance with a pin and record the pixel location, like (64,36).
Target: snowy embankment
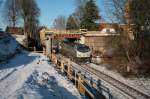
(21,39)
(30,76)
(8,47)
(141,84)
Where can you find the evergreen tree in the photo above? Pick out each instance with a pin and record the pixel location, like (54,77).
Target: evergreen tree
(80,8)
(71,23)
(90,16)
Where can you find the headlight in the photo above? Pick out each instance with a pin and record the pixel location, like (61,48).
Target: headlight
(79,54)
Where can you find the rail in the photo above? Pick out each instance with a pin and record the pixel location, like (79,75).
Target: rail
(129,91)
(124,89)
(84,85)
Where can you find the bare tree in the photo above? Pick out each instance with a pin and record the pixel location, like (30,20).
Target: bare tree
(27,10)
(59,23)
(134,40)
(71,23)
(138,15)
(30,13)
(115,10)
(11,12)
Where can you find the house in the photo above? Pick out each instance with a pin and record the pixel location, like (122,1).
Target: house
(108,27)
(15,30)
(18,34)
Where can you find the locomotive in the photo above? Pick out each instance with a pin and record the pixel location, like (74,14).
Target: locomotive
(75,51)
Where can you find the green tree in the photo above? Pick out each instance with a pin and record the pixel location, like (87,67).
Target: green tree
(80,8)
(71,23)
(90,16)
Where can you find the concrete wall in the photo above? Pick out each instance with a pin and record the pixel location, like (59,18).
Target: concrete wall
(96,43)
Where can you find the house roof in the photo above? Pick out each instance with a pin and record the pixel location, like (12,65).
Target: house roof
(108,25)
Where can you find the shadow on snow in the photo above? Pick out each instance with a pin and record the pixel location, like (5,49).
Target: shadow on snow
(51,90)
(20,59)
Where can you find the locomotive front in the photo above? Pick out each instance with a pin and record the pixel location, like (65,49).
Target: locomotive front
(83,52)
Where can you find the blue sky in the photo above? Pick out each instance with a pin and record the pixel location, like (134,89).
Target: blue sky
(50,9)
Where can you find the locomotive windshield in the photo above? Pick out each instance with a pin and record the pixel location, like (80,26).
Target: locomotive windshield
(83,48)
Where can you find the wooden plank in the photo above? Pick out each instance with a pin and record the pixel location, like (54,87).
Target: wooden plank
(79,79)
(90,94)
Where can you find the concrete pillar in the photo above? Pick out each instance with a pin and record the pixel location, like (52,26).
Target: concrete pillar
(62,66)
(34,49)
(79,81)
(55,60)
(48,47)
(75,79)
(43,51)
(69,67)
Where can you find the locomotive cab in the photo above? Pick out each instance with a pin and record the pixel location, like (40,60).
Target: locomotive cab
(83,51)
(83,48)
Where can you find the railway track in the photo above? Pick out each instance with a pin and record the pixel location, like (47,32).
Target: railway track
(127,90)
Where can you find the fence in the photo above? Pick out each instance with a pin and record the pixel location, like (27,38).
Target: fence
(86,86)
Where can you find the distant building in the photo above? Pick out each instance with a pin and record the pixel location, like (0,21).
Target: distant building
(108,27)
(18,34)
(15,30)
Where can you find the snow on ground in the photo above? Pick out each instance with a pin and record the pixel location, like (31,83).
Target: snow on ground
(8,46)
(30,76)
(141,84)
(21,39)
